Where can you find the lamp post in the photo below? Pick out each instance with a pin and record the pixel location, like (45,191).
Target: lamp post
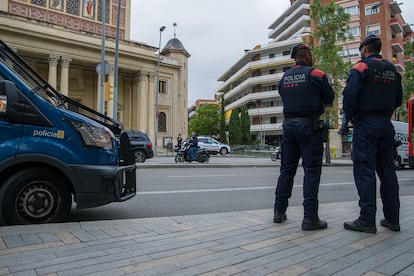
(373,7)
(157,88)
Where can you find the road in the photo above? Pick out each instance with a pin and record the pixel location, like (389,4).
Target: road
(184,191)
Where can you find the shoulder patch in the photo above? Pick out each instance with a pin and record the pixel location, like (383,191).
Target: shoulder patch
(360,67)
(317,73)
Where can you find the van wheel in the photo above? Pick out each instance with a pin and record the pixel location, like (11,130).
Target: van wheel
(139,156)
(35,195)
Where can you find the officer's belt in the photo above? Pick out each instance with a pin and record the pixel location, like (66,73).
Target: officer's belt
(299,120)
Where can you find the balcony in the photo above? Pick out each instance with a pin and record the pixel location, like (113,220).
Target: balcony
(398,65)
(407,29)
(395,7)
(294,17)
(266,79)
(395,25)
(267,127)
(251,97)
(396,45)
(255,65)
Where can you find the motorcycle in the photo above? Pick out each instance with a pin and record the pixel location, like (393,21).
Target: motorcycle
(183,154)
(277,154)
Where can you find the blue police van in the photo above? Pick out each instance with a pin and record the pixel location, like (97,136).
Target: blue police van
(55,151)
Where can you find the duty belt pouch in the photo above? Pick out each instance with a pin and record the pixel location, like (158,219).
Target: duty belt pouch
(323,128)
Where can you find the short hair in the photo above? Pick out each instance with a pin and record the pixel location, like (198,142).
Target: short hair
(302,54)
(374,46)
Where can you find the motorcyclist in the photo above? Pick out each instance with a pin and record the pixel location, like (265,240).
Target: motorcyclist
(193,146)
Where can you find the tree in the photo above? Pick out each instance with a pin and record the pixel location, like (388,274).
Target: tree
(245,127)
(222,135)
(408,81)
(206,121)
(330,24)
(235,132)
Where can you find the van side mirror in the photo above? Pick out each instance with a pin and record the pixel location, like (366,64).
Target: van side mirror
(8,98)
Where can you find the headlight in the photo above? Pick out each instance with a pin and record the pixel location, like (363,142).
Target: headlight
(93,136)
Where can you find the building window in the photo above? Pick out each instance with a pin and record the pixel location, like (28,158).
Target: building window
(162,87)
(73,7)
(162,122)
(369,10)
(354,31)
(56,4)
(354,10)
(88,8)
(273,120)
(351,53)
(39,2)
(373,29)
(271,55)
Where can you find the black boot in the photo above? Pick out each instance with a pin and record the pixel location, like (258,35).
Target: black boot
(309,225)
(360,226)
(392,226)
(279,217)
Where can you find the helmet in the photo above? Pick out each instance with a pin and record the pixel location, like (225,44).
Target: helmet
(297,48)
(193,134)
(368,40)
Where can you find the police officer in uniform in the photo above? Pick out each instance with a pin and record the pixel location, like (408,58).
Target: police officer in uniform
(304,91)
(372,93)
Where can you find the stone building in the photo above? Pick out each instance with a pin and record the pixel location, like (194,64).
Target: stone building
(61,39)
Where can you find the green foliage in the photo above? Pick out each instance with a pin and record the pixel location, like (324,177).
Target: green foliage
(222,136)
(245,127)
(408,81)
(206,121)
(235,129)
(331,25)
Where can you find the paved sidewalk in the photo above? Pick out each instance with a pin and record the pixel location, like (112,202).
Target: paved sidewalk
(236,243)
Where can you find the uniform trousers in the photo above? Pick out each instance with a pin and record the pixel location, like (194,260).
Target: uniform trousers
(372,151)
(300,139)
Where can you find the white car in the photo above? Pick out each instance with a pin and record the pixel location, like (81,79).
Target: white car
(213,146)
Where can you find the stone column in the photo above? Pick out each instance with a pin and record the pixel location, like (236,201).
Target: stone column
(151,107)
(135,101)
(143,102)
(64,76)
(53,62)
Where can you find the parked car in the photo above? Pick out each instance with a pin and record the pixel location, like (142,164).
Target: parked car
(141,145)
(213,146)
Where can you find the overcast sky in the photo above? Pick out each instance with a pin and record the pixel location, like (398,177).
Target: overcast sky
(214,32)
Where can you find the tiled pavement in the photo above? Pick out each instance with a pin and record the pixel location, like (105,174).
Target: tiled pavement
(237,243)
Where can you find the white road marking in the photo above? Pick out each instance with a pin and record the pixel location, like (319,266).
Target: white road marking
(243,188)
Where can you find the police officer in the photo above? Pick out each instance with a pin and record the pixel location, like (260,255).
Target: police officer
(372,93)
(193,146)
(304,91)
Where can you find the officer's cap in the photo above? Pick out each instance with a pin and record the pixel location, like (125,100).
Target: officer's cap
(297,48)
(368,40)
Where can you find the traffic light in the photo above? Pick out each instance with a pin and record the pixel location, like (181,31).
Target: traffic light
(109,91)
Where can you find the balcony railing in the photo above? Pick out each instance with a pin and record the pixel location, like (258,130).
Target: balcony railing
(396,45)
(395,25)
(272,78)
(254,65)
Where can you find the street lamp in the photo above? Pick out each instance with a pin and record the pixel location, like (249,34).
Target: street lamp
(373,7)
(157,88)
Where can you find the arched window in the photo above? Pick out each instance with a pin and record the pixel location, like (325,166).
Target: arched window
(162,122)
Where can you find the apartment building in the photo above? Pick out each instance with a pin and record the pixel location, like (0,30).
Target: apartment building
(252,80)
(61,39)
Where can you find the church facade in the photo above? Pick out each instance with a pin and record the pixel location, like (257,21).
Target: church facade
(61,39)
